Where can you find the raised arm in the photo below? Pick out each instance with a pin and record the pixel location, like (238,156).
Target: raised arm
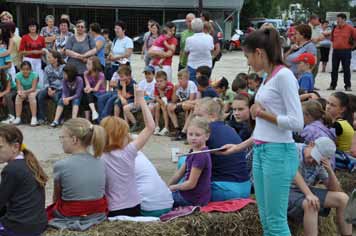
(147,132)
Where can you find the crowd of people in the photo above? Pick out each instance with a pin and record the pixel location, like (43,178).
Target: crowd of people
(256,123)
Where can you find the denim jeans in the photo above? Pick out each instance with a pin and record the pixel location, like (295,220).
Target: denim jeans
(105,104)
(274,169)
(192,75)
(42,96)
(343,56)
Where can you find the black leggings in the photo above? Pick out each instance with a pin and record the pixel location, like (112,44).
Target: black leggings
(133,211)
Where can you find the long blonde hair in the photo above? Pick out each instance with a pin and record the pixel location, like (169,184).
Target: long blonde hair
(12,134)
(88,134)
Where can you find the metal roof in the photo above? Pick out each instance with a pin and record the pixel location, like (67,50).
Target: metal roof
(211,4)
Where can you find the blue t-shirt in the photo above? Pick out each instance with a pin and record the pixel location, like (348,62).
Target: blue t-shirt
(209,92)
(231,168)
(101,53)
(6,59)
(306,82)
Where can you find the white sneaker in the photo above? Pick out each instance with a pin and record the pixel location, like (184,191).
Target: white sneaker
(17,121)
(34,121)
(94,115)
(9,120)
(157,129)
(164,132)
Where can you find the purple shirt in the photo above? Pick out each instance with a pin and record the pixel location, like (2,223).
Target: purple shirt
(73,89)
(200,195)
(93,81)
(315,130)
(121,190)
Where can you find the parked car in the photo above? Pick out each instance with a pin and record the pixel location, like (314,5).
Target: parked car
(180,27)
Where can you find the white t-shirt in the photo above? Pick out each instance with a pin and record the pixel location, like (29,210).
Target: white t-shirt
(183,94)
(279,96)
(149,88)
(199,47)
(153,191)
(120,46)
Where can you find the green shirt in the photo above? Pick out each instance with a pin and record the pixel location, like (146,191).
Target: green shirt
(183,37)
(26,83)
(228,97)
(12,83)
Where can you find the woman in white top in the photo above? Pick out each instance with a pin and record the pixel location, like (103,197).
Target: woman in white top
(121,48)
(278,112)
(199,47)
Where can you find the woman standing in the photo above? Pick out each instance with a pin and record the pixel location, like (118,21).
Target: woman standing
(49,32)
(325,44)
(121,48)
(62,38)
(95,32)
(275,158)
(303,44)
(148,41)
(80,47)
(31,48)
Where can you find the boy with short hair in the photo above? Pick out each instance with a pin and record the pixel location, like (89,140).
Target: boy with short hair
(184,92)
(147,85)
(253,83)
(163,94)
(306,62)
(240,83)
(306,201)
(126,90)
(203,71)
(204,87)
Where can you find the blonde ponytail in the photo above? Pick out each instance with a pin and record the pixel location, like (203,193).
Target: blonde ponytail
(88,134)
(35,167)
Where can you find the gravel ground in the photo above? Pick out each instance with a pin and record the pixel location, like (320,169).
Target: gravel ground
(44,141)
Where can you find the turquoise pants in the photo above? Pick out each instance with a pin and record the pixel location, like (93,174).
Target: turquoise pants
(274,169)
(223,191)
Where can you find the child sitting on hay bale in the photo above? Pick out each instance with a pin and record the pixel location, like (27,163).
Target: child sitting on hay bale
(306,201)
(119,157)
(195,190)
(79,180)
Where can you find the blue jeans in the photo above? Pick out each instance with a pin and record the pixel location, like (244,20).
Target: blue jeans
(274,169)
(42,96)
(192,74)
(74,102)
(105,104)
(223,191)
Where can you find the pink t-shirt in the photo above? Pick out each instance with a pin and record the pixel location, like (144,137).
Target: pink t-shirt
(120,188)
(159,42)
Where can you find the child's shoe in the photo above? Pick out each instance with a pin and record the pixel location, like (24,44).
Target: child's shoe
(157,129)
(164,132)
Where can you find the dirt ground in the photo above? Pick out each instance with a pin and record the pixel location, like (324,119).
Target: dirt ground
(44,141)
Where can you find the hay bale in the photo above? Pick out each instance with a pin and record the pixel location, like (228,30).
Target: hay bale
(243,223)
(347,180)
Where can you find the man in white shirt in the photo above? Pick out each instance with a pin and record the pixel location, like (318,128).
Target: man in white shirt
(199,48)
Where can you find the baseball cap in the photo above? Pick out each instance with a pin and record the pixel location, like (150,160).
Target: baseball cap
(149,69)
(306,58)
(324,148)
